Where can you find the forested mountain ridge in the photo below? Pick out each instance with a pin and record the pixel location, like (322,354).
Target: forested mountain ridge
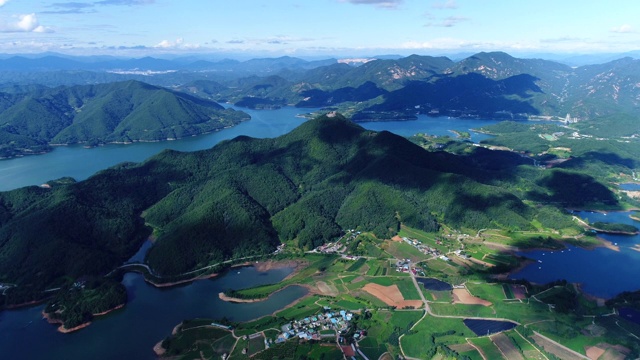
(245,196)
(372,90)
(104,113)
(494,85)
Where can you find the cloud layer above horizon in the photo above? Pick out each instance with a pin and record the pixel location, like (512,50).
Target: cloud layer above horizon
(322,27)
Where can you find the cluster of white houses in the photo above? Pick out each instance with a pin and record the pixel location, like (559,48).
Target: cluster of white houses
(327,324)
(427,250)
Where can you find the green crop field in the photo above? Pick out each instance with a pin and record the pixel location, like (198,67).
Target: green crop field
(401,250)
(488,348)
(489,292)
(255,345)
(357,264)
(444,331)
(508,292)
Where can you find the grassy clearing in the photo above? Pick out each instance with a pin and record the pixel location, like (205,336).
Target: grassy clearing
(293,349)
(372,348)
(462,310)
(208,340)
(357,264)
(426,238)
(433,332)
(302,309)
(349,304)
(255,345)
(489,292)
(384,281)
(271,334)
(444,267)
(408,289)
(440,296)
(568,333)
(384,329)
(319,351)
(522,312)
(372,300)
(401,250)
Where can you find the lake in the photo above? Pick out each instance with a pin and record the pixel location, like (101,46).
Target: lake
(150,315)
(601,271)
(79,162)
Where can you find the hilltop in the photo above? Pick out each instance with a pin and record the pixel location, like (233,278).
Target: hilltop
(122,112)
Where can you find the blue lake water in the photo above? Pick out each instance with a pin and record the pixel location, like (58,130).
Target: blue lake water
(630,186)
(601,271)
(434,284)
(632,315)
(150,315)
(80,163)
(488,327)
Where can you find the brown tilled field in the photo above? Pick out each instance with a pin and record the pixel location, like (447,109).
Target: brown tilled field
(594,352)
(462,296)
(390,295)
(519,291)
(507,347)
(552,348)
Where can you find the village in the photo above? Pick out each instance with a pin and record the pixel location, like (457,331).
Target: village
(328,324)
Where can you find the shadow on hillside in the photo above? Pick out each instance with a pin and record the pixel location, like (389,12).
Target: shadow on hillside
(565,188)
(605,157)
(469,94)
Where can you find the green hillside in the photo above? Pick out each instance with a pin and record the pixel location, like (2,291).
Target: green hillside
(245,196)
(117,112)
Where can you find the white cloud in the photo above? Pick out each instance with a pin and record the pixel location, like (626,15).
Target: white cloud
(623,29)
(2,2)
(386,4)
(24,23)
(176,44)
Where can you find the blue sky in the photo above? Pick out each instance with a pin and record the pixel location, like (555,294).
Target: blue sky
(318,27)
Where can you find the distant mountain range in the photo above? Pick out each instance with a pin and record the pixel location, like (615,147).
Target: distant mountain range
(150,64)
(494,85)
(122,112)
(490,85)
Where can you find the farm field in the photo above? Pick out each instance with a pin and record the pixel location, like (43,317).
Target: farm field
(389,313)
(488,349)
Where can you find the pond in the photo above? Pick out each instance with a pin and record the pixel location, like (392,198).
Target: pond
(434,284)
(488,327)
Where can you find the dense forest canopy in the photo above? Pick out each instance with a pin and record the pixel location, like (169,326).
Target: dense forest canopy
(245,196)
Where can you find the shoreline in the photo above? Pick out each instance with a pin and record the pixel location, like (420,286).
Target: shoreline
(64,330)
(263,266)
(137,141)
(179,282)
